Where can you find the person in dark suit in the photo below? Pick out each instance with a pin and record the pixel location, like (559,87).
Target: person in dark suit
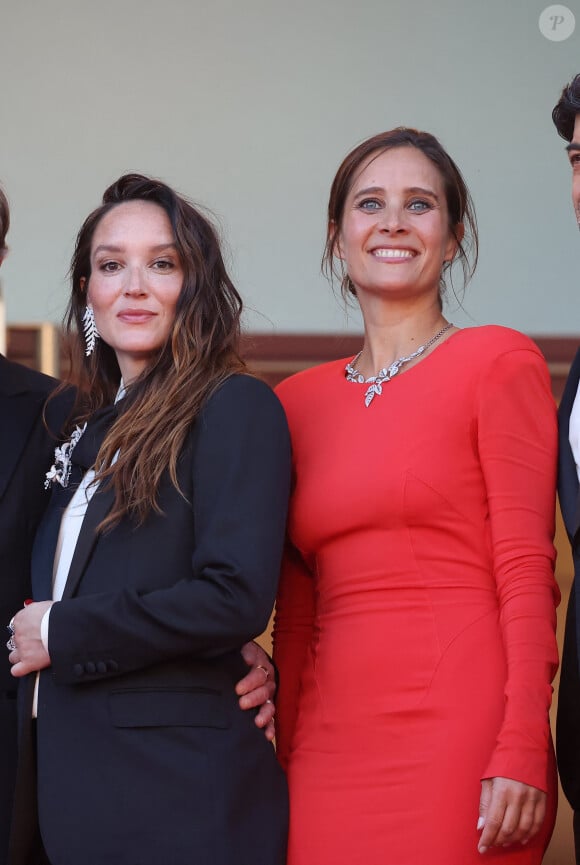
(566,117)
(24,455)
(25,449)
(159,556)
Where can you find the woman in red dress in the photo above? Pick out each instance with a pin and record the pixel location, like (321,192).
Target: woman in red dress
(416,615)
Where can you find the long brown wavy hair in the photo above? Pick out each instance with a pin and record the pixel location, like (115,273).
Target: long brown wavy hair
(201,351)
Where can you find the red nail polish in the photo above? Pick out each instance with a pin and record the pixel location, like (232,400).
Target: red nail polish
(28,601)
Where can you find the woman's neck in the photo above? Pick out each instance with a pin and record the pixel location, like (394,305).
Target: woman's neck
(394,332)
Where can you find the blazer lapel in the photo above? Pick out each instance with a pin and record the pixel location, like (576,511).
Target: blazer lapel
(45,542)
(568,488)
(98,508)
(82,457)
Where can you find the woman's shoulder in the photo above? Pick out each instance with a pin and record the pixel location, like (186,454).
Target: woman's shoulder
(243,383)
(493,340)
(499,358)
(241,394)
(309,381)
(16,378)
(244,416)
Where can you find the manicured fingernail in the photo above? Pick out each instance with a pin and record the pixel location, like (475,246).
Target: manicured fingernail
(28,601)
(480,823)
(482,849)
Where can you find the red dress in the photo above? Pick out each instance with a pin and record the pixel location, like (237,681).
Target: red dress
(416,615)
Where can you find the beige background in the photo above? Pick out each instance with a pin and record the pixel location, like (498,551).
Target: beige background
(249,107)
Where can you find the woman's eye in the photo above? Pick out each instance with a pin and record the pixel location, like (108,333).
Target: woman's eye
(575,160)
(419,205)
(163,264)
(109,266)
(369,204)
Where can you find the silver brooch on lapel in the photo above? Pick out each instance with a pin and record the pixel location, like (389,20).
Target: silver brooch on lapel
(60,470)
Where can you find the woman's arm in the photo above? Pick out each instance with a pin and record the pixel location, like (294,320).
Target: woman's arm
(517,441)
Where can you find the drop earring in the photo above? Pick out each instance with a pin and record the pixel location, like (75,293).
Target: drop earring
(90,330)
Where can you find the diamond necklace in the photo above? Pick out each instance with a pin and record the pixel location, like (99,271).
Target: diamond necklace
(387,372)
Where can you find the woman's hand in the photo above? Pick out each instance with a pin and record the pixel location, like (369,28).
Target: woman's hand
(258,687)
(509,812)
(29,654)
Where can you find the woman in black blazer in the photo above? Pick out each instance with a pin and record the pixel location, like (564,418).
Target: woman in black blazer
(163,563)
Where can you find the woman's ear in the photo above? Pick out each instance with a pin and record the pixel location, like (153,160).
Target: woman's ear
(455,238)
(83,283)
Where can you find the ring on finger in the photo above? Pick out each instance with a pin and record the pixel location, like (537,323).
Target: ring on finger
(11,645)
(264,671)
(10,626)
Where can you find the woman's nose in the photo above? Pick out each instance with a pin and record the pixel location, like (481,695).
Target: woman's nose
(393,220)
(136,284)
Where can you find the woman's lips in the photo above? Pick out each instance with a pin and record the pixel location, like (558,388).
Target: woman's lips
(136,316)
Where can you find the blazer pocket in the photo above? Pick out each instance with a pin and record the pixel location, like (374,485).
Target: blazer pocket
(168,707)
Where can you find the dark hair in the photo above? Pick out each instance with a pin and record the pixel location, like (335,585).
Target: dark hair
(201,351)
(459,204)
(566,109)
(4,222)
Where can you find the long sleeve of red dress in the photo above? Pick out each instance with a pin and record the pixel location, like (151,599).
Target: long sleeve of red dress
(517,449)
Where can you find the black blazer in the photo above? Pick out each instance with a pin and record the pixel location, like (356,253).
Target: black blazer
(568,719)
(25,456)
(143,753)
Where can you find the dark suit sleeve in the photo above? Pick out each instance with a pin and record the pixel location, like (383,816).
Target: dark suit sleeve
(568,719)
(241,477)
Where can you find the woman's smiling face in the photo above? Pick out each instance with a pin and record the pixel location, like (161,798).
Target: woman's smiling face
(395,235)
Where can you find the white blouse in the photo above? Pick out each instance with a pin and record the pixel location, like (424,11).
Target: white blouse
(68,535)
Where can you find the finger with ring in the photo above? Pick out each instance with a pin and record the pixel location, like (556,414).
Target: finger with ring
(11,645)
(264,670)
(10,625)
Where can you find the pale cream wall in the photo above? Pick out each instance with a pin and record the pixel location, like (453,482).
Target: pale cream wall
(249,106)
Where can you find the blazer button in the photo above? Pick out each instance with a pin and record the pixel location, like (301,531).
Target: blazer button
(90,668)
(101,667)
(78,670)
(112,666)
